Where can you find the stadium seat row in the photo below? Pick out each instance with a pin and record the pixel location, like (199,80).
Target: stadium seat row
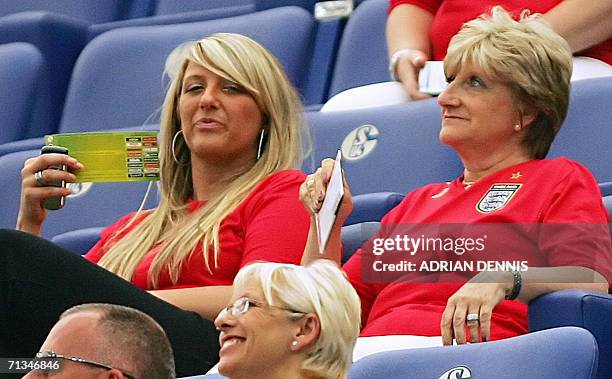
(77,55)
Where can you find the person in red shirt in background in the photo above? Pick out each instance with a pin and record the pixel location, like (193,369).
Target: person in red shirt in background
(507,97)
(420,30)
(231,138)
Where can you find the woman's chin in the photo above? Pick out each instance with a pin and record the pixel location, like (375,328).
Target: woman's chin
(227,367)
(447,137)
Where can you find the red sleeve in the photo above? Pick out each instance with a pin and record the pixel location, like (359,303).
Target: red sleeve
(275,221)
(575,224)
(430,6)
(100,248)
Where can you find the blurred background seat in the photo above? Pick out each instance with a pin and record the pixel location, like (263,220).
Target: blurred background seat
(568,352)
(21,71)
(362,56)
(86,10)
(588,310)
(59,39)
(393,148)
(113,86)
(586,135)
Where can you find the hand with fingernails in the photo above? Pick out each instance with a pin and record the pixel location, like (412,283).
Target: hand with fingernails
(35,175)
(312,191)
(471,308)
(407,71)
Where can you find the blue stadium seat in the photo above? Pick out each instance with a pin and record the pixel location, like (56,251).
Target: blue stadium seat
(579,308)
(586,135)
(393,148)
(605,188)
(59,39)
(164,12)
(362,57)
(93,206)
(163,7)
(608,203)
(85,10)
(175,12)
(21,68)
(78,241)
(113,87)
(557,353)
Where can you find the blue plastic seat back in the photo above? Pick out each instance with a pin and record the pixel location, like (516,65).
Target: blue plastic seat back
(86,10)
(21,69)
(117,80)
(97,204)
(362,57)
(165,7)
(59,39)
(364,220)
(567,352)
(393,148)
(586,134)
(585,309)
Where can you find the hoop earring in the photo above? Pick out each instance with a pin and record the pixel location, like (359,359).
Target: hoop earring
(174,143)
(261,136)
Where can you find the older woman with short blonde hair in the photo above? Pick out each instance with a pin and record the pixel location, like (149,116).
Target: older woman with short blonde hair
(536,225)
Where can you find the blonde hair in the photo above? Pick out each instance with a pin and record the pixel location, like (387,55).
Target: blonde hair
(241,60)
(528,56)
(320,288)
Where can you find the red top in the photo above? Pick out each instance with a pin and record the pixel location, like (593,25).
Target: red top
(450,15)
(271,224)
(557,191)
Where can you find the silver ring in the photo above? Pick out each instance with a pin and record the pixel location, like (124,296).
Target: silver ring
(472,317)
(40,179)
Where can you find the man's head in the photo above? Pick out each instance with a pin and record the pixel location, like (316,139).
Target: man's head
(108,341)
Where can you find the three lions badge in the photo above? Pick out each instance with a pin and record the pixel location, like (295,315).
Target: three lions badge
(497,197)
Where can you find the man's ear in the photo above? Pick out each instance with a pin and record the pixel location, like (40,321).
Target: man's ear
(308,332)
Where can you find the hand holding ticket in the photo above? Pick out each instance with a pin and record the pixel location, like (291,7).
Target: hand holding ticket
(112,156)
(327,214)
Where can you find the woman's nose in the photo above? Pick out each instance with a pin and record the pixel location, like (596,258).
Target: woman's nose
(209,98)
(448,97)
(224,320)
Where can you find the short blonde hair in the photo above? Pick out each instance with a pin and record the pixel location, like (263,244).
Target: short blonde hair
(241,60)
(320,288)
(528,56)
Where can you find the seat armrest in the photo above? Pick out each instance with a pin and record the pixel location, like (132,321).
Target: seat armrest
(78,241)
(589,310)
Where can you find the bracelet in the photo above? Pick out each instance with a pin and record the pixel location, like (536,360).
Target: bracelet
(516,287)
(394,60)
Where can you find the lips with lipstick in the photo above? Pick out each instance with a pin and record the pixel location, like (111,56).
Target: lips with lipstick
(208,123)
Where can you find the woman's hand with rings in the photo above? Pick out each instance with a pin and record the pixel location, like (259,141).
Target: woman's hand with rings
(471,308)
(36,174)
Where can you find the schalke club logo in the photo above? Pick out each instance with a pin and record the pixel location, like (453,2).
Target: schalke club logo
(360,142)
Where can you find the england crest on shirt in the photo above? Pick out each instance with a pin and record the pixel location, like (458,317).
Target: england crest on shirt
(497,197)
